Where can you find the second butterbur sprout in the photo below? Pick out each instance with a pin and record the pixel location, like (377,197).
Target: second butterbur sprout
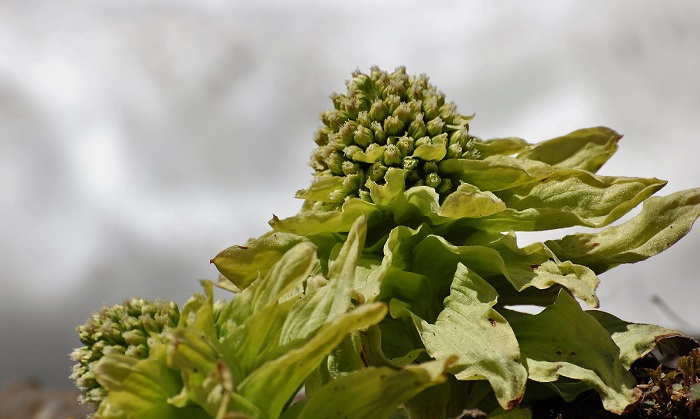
(121,329)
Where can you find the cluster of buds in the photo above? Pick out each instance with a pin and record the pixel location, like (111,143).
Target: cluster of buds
(121,329)
(390,120)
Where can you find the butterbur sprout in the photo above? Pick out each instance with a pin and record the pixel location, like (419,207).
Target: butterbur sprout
(121,329)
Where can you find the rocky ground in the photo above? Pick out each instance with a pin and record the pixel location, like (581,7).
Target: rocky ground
(28,398)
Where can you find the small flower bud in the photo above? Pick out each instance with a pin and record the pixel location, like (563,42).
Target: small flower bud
(334,118)
(335,143)
(448,112)
(137,351)
(392,102)
(409,163)
(363,136)
(364,119)
(471,154)
(129,322)
(393,126)
(439,139)
(415,107)
(417,85)
(379,110)
(440,98)
(346,134)
(380,136)
(430,107)
(350,152)
(430,167)
(353,105)
(350,168)
(321,137)
(353,183)
(376,172)
(422,141)
(405,146)
(360,82)
(445,186)
(337,100)
(134,337)
(417,127)
(434,126)
(318,162)
(400,74)
(454,151)
(392,156)
(338,195)
(459,136)
(403,112)
(378,76)
(335,163)
(394,88)
(432,180)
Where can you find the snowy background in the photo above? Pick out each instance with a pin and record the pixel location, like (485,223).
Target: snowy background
(140,138)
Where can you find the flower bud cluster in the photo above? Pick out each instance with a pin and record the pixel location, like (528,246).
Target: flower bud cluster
(121,329)
(380,123)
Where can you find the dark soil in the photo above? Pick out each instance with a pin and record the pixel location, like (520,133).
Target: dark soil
(28,398)
(658,399)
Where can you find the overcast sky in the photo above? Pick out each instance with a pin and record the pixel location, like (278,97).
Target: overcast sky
(140,138)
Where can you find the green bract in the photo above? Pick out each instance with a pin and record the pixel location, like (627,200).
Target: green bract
(403,264)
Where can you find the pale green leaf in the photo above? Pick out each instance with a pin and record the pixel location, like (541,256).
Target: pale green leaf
(661,223)
(500,146)
(566,198)
(563,340)
(370,155)
(635,339)
(499,255)
(289,272)
(395,183)
(321,189)
(393,343)
(595,200)
(241,265)
(198,311)
(317,221)
(373,392)
(274,383)
(430,152)
(333,299)
(469,201)
(193,354)
(250,344)
(495,173)
(477,334)
(414,205)
(585,149)
(137,389)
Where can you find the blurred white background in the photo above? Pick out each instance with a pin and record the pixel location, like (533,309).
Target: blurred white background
(139,138)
